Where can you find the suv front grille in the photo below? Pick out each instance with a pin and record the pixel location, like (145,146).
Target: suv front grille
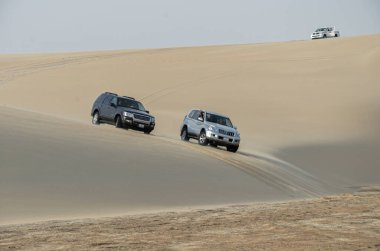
(141,117)
(221,131)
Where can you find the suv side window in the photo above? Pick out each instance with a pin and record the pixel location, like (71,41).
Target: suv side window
(196,114)
(119,102)
(113,101)
(191,114)
(107,100)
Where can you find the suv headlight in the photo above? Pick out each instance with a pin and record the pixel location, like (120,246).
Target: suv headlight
(211,128)
(128,114)
(238,134)
(152,119)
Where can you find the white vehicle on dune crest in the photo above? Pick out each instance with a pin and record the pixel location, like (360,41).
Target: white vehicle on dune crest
(325,33)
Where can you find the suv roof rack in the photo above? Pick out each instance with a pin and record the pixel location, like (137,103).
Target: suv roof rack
(129,97)
(111,93)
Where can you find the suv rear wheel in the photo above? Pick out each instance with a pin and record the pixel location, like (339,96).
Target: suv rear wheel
(202,140)
(95,118)
(184,135)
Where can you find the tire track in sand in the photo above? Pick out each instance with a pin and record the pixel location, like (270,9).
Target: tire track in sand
(274,172)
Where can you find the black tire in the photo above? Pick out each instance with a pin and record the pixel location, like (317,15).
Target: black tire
(184,135)
(118,122)
(202,140)
(336,35)
(147,131)
(95,118)
(232,148)
(213,144)
(324,36)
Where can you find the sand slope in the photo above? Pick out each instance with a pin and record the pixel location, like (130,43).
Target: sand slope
(308,112)
(53,168)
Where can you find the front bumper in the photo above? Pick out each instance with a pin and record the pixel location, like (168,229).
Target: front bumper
(222,139)
(138,124)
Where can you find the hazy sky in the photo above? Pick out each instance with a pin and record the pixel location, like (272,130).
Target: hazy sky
(78,25)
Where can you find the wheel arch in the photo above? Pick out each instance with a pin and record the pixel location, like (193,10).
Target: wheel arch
(94,111)
(117,115)
(202,130)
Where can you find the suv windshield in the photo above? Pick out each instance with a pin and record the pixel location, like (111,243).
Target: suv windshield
(213,118)
(320,29)
(129,103)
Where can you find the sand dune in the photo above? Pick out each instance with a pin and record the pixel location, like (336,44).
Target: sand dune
(308,113)
(275,93)
(57,169)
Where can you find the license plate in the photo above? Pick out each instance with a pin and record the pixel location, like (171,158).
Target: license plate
(141,126)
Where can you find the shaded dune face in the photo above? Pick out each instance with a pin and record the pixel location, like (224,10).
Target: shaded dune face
(55,169)
(307,112)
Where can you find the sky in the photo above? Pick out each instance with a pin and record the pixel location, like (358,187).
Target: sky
(36,26)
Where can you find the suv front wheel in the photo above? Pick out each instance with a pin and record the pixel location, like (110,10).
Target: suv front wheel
(118,122)
(202,140)
(232,148)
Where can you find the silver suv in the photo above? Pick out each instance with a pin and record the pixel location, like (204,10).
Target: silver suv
(210,128)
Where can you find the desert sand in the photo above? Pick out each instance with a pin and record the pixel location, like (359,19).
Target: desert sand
(344,222)
(308,113)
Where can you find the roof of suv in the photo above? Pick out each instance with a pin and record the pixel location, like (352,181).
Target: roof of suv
(114,94)
(111,93)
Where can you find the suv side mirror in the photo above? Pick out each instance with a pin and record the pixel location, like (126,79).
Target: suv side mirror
(146,111)
(235,127)
(113,105)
